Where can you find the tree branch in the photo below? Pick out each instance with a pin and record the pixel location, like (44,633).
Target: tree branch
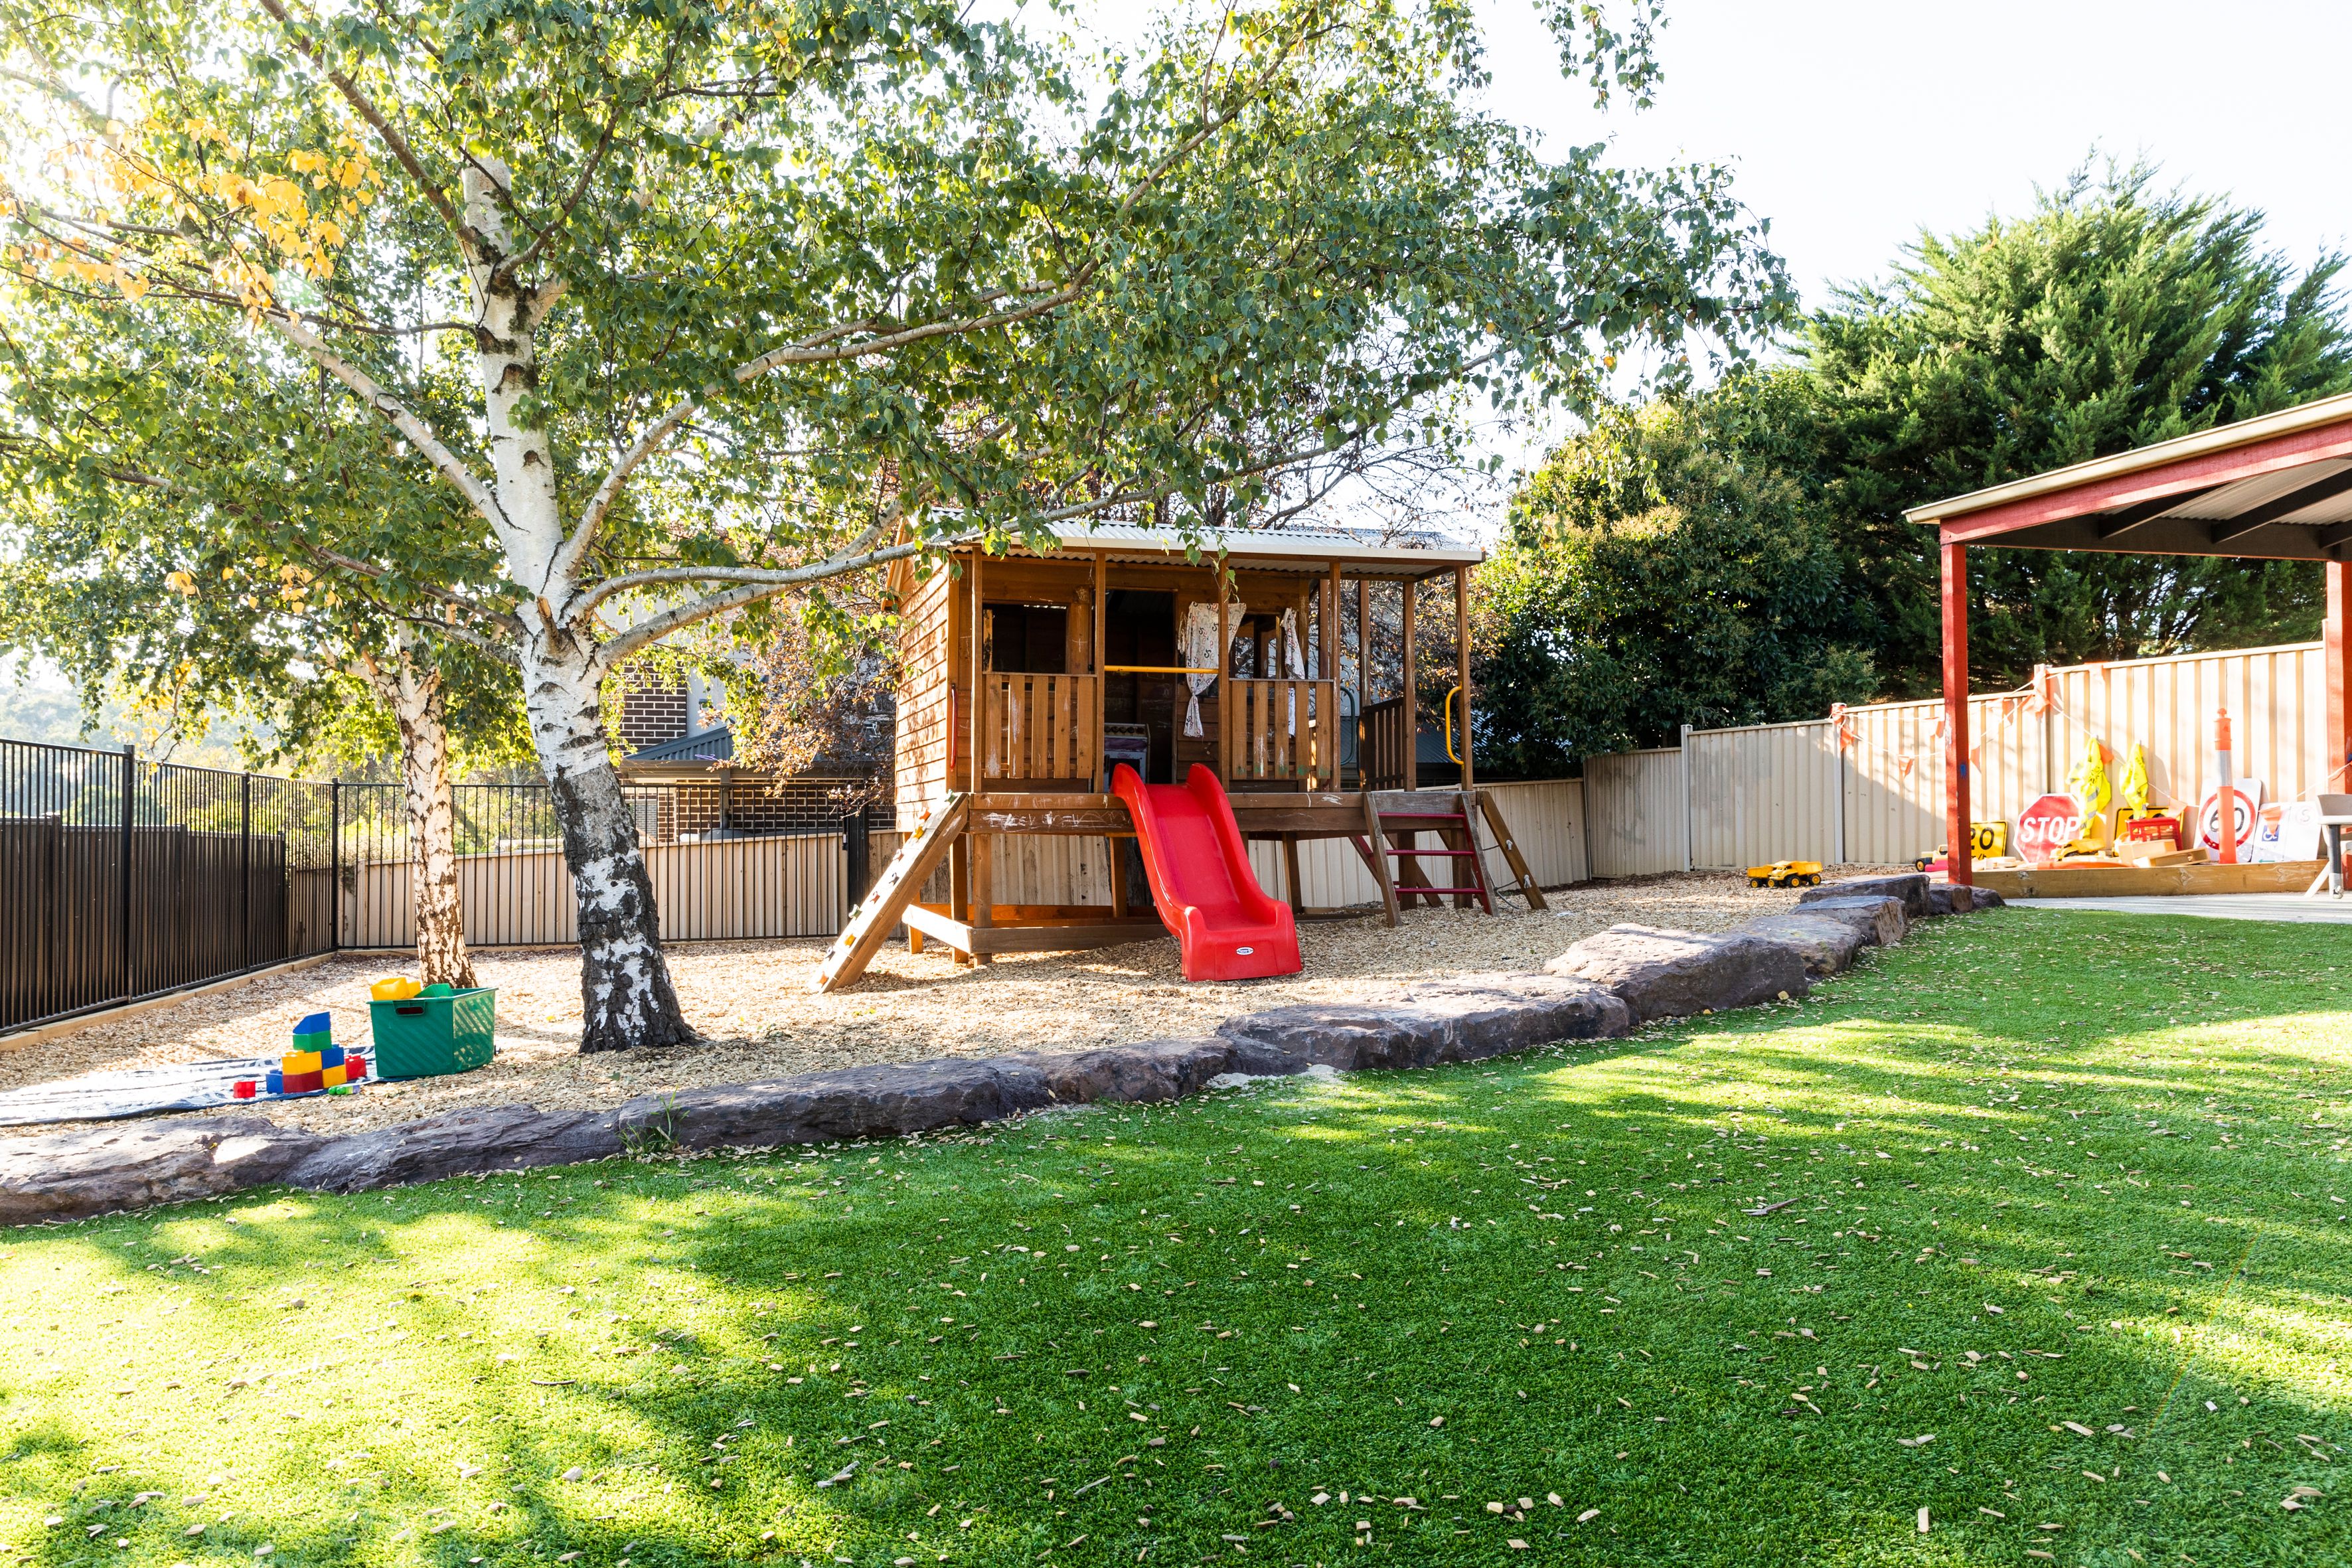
(385,131)
(420,435)
(819,348)
(754,585)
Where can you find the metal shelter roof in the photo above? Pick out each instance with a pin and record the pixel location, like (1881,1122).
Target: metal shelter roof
(2278,486)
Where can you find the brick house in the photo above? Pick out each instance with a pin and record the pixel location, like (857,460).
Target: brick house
(673,743)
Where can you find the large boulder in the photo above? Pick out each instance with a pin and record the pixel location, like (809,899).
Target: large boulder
(459,1144)
(1880,920)
(881,1102)
(1149,1071)
(1829,945)
(1426,1023)
(128,1166)
(1948,899)
(1911,886)
(1662,973)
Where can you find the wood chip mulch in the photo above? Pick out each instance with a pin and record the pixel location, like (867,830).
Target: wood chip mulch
(751,1002)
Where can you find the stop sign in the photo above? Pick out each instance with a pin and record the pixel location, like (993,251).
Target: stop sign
(2048,826)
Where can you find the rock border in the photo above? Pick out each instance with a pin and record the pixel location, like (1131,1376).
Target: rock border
(1599,989)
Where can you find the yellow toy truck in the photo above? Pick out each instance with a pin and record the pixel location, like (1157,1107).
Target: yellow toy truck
(1786,874)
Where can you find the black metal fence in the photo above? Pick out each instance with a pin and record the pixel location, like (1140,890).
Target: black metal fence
(121,879)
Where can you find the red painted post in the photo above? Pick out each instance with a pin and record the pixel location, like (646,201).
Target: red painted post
(2336,650)
(1959,864)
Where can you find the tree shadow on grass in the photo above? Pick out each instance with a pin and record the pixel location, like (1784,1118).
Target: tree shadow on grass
(1186,1303)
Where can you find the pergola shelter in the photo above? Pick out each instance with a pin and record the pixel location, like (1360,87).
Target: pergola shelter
(2277,488)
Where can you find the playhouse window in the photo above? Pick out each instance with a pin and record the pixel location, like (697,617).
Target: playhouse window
(1031,639)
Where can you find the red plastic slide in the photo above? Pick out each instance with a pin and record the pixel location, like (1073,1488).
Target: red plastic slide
(1201,882)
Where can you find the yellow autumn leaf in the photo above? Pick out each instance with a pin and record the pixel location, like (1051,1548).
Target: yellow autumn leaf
(181,582)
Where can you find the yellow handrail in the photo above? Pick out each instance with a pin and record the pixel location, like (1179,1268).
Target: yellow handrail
(1449,727)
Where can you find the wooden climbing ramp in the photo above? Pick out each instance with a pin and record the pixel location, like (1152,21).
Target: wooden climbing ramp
(878,914)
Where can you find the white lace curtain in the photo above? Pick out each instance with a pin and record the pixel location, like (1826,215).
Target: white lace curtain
(1201,652)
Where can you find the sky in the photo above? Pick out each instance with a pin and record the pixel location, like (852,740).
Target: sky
(1851,126)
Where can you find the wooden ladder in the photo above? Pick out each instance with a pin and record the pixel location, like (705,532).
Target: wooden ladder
(902,881)
(1393,832)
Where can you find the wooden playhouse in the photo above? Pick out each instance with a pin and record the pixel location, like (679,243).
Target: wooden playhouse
(1026,678)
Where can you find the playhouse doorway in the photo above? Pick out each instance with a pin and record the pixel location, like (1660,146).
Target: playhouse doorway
(1140,628)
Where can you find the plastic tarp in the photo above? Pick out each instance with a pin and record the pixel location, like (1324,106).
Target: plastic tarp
(140,1091)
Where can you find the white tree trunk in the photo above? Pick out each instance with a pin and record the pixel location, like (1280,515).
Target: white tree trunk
(625,993)
(627,998)
(417,701)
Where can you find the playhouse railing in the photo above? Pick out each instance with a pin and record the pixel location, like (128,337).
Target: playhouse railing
(1385,756)
(1280,730)
(1040,729)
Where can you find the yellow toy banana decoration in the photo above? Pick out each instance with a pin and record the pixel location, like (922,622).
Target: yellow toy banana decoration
(2088,785)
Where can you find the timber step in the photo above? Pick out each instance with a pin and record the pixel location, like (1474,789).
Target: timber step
(879,912)
(1393,832)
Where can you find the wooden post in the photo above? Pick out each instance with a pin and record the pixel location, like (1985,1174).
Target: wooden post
(1327,673)
(2335,655)
(1961,868)
(1412,695)
(1363,680)
(978,711)
(983,889)
(1220,664)
(975,858)
(1462,657)
(1102,679)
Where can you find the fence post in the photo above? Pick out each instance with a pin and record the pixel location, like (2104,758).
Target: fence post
(1837,781)
(859,850)
(334,865)
(129,816)
(1685,754)
(245,871)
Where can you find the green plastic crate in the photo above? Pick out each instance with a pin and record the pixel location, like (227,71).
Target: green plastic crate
(427,1036)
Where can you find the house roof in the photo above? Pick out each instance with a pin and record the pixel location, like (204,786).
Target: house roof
(2276,486)
(1269,549)
(706,746)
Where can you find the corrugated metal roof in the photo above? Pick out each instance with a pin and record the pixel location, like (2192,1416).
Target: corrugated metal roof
(1304,548)
(2220,438)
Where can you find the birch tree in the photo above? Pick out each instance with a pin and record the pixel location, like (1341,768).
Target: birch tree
(178,528)
(747,294)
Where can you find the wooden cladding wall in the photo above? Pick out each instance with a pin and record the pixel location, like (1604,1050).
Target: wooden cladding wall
(926,702)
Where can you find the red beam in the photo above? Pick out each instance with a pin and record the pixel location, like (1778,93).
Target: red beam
(1961,867)
(2336,650)
(2181,478)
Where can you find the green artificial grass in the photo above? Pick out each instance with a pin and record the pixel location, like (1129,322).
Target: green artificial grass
(2057,1252)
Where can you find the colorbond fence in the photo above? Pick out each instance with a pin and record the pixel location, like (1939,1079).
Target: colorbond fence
(1746,796)
(1546,817)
